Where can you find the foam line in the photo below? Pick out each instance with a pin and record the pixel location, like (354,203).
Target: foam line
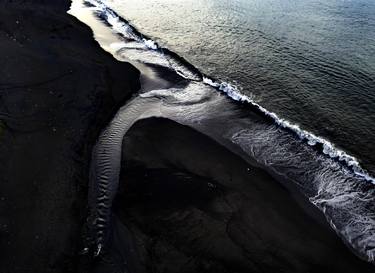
(328,149)
(122,26)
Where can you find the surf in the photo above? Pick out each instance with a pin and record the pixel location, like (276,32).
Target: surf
(189,71)
(331,179)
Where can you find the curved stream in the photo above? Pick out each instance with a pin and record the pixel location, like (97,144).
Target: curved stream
(327,185)
(345,198)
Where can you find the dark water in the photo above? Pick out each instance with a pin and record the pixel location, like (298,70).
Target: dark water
(300,79)
(311,62)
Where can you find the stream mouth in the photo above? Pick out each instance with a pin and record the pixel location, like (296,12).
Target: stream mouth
(244,133)
(189,99)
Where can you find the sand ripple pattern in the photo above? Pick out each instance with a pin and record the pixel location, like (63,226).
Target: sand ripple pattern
(332,180)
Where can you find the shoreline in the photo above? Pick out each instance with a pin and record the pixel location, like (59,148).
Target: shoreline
(310,188)
(175,185)
(47,167)
(325,147)
(326,193)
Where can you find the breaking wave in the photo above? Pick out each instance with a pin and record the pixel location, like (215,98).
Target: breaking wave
(343,196)
(188,71)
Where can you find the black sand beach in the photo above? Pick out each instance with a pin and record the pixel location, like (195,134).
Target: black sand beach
(185,202)
(58,89)
(191,205)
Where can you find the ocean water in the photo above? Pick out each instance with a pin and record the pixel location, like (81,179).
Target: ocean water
(312,62)
(305,72)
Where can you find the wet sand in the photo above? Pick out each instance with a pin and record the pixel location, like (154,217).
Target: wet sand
(187,204)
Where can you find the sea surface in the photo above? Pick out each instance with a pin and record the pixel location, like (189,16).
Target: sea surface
(304,72)
(312,62)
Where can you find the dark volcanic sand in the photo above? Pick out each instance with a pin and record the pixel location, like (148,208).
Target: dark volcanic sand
(58,89)
(187,204)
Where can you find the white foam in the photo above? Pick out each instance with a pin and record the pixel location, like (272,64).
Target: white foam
(151,44)
(119,26)
(335,216)
(312,140)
